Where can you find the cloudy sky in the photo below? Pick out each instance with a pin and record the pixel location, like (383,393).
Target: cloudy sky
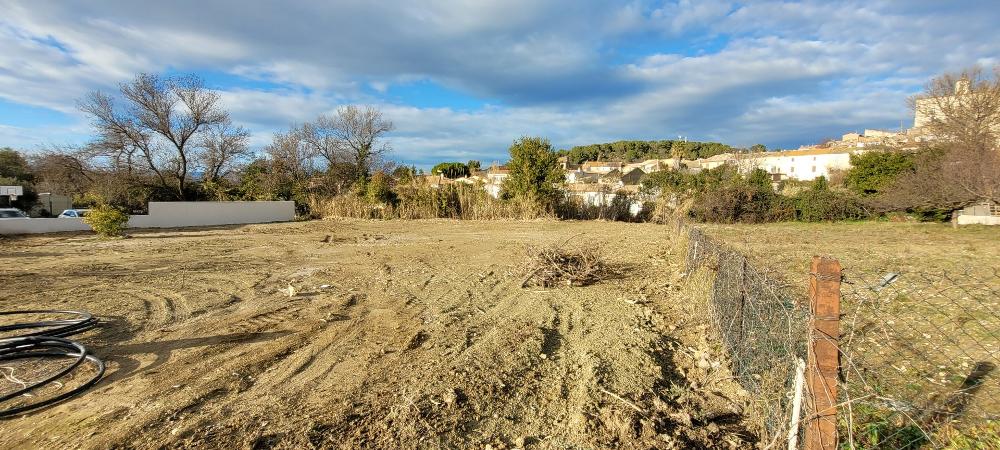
(462,78)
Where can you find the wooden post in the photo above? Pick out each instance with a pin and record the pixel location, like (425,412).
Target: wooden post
(824,354)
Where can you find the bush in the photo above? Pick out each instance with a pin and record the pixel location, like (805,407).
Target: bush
(819,204)
(378,189)
(535,172)
(873,172)
(420,201)
(742,203)
(107,221)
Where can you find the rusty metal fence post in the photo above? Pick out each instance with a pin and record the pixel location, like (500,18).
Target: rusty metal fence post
(823,354)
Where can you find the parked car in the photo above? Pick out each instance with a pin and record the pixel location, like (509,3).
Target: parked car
(74,213)
(12,213)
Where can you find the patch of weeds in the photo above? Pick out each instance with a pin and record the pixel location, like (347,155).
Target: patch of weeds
(878,428)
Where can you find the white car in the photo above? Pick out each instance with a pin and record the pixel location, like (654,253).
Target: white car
(12,213)
(74,213)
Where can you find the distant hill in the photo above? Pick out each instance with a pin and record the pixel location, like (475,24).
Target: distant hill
(631,151)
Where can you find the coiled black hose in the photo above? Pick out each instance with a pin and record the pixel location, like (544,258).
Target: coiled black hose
(48,342)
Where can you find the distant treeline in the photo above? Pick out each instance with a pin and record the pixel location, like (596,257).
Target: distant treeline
(631,151)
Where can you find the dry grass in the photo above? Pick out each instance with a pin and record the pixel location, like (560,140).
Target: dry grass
(919,314)
(890,246)
(456,201)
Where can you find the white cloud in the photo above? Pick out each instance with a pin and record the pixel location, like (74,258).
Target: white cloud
(775,72)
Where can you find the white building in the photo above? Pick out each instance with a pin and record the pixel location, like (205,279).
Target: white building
(798,164)
(601,167)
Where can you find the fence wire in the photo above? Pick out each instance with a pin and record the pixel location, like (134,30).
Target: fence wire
(763,327)
(919,350)
(919,357)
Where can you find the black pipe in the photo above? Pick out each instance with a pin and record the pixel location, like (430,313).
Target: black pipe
(49,342)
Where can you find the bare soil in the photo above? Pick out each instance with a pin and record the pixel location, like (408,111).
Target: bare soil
(357,334)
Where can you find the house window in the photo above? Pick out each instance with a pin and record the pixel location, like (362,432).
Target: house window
(792,169)
(814,168)
(814,158)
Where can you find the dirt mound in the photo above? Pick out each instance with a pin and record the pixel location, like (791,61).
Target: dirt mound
(423,338)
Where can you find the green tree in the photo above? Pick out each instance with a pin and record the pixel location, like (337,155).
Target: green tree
(819,203)
(450,169)
(534,171)
(404,174)
(473,165)
(666,182)
(758,148)
(14,165)
(873,172)
(378,188)
(760,178)
(15,171)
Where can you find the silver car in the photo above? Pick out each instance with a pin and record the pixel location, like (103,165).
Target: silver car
(74,213)
(12,213)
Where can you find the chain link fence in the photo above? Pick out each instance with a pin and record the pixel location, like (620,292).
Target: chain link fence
(918,351)
(763,328)
(919,355)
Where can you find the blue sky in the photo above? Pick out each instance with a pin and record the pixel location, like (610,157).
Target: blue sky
(462,79)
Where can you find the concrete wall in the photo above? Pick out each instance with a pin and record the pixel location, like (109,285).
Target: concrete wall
(196,214)
(27,226)
(170,215)
(965,219)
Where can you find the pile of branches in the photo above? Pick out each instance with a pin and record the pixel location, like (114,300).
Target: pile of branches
(556,265)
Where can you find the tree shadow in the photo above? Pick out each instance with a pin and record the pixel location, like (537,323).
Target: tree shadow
(129,366)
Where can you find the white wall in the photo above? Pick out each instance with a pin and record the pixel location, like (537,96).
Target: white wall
(805,167)
(26,226)
(170,215)
(966,219)
(196,214)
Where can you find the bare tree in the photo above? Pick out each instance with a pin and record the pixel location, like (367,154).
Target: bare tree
(290,154)
(63,170)
(223,147)
(349,137)
(961,112)
(158,125)
(961,108)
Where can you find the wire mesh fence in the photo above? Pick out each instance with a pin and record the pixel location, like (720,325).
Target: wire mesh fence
(919,356)
(918,351)
(763,327)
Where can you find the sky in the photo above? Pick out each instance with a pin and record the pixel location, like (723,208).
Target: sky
(461,79)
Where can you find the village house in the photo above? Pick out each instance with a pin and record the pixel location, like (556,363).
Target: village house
(653,165)
(579,176)
(632,177)
(601,167)
(602,195)
(804,165)
(495,177)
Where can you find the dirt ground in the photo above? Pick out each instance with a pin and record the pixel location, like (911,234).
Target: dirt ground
(400,334)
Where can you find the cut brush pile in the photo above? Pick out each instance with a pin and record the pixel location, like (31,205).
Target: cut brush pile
(556,265)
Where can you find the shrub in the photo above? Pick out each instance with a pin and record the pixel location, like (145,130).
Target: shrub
(873,172)
(378,189)
(819,204)
(535,172)
(107,221)
(741,203)
(420,201)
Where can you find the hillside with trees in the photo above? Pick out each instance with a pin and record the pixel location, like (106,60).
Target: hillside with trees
(631,151)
